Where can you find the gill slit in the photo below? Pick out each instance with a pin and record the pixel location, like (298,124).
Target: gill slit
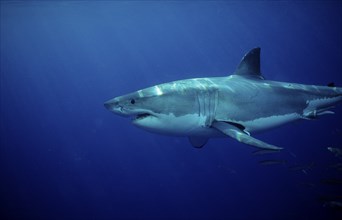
(207,105)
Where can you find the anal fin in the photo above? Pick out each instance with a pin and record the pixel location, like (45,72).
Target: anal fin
(239,135)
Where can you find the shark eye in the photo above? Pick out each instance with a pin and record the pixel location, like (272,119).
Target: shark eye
(132,101)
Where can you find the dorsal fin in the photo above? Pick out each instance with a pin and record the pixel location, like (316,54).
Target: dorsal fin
(250,64)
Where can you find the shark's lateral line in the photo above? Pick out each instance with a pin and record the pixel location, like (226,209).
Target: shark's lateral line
(234,106)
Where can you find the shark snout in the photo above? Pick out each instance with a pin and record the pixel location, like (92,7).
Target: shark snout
(112,105)
(108,105)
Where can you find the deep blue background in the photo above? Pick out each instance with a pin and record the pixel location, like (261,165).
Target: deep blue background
(64,156)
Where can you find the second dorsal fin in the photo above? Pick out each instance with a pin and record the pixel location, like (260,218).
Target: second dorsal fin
(250,64)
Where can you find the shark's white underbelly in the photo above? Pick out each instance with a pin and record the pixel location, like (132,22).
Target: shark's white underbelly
(186,125)
(195,125)
(265,123)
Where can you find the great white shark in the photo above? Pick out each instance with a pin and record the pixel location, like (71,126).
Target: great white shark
(236,106)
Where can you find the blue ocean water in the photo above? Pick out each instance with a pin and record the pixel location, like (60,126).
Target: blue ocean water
(64,156)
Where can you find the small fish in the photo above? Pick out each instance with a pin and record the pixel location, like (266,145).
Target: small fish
(337,167)
(337,131)
(272,162)
(293,154)
(228,170)
(325,198)
(332,181)
(307,185)
(264,151)
(231,171)
(333,204)
(336,151)
(304,168)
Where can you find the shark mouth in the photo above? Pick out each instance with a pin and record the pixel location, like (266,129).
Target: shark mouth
(142,116)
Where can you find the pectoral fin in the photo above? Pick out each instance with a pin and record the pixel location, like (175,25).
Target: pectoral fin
(198,142)
(238,134)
